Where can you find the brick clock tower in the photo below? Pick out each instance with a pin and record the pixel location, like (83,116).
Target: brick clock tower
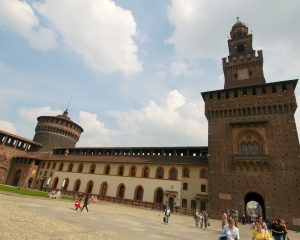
(253,143)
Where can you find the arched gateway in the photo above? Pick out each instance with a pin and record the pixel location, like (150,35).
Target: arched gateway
(253,196)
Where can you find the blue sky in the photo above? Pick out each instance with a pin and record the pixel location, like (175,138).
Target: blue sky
(134,69)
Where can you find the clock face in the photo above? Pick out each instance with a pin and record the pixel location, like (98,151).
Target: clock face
(243,74)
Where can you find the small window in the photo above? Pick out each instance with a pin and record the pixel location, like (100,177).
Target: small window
(184,203)
(203,174)
(53,165)
(40,173)
(186,172)
(173,174)
(185,186)
(107,170)
(139,194)
(193,204)
(219,95)
(45,173)
(211,96)
(61,167)
(240,48)
(133,171)
(244,92)
(121,171)
(93,167)
(104,190)
(236,93)
(274,89)
(227,94)
(253,91)
(203,188)
(160,173)
(250,73)
(146,172)
(121,192)
(284,87)
(264,90)
(235,75)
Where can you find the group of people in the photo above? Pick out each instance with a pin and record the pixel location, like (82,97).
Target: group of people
(260,228)
(87,201)
(54,192)
(201,218)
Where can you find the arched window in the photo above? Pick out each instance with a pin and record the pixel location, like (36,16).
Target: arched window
(139,193)
(173,174)
(45,173)
(70,168)
(103,189)
(107,170)
(250,149)
(65,184)
(60,168)
(80,168)
(43,165)
(203,188)
(146,172)
(160,173)
(121,191)
(53,165)
(77,185)
(133,172)
(48,165)
(55,182)
(121,171)
(159,196)
(90,187)
(203,173)
(92,168)
(185,172)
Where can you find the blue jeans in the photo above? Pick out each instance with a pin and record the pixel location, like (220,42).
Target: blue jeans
(166,219)
(278,237)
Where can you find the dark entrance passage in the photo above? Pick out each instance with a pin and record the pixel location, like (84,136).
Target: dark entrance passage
(260,206)
(171,203)
(17,178)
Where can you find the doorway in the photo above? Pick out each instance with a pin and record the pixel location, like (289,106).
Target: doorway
(171,204)
(254,205)
(16,178)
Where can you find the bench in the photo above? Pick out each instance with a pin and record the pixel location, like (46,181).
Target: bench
(53,196)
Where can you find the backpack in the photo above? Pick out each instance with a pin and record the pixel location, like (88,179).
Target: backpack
(89,201)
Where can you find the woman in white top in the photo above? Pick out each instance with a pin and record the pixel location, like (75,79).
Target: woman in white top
(197,218)
(167,214)
(231,231)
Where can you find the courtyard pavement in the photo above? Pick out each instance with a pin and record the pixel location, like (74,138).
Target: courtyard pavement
(25,217)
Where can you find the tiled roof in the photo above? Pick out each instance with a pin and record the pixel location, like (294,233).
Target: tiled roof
(20,138)
(119,159)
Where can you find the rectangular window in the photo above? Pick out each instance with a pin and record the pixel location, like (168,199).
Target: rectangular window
(274,89)
(185,186)
(284,87)
(219,95)
(236,93)
(227,94)
(264,90)
(184,203)
(253,91)
(203,188)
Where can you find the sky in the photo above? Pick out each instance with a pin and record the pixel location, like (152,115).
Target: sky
(134,70)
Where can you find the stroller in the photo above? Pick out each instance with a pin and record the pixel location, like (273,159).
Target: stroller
(223,236)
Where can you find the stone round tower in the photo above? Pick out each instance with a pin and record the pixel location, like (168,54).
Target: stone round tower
(53,132)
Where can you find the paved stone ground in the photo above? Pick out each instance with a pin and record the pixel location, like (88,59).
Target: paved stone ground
(41,218)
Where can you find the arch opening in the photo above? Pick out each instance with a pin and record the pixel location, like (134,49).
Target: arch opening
(255,205)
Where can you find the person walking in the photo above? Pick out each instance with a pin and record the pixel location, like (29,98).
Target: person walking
(224,219)
(197,218)
(231,231)
(205,219)
(167,214)
(87,200)
(277,230)
(259,233)
(201,219)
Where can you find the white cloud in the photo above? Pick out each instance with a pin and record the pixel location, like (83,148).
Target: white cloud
(202,27)
(19,17)
(98,30)
(7,127)
(95,134)
(175,123)
(180,67)
(31,114)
